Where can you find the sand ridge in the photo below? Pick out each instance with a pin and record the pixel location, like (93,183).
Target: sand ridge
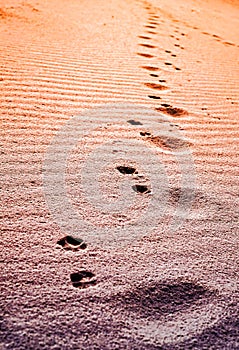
(177,69)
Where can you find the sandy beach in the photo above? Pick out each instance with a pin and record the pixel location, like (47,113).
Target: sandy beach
(119,174)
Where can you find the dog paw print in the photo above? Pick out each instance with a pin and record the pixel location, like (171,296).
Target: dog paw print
(83,279)
(129,170)
(141,189)
(72,243)
(126,169)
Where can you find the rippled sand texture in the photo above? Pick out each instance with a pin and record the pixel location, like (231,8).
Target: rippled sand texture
(170,71)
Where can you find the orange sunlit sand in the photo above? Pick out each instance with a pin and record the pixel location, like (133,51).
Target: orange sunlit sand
(119,174)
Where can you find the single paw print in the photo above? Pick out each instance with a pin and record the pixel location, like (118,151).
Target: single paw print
(83,279)
(72,243)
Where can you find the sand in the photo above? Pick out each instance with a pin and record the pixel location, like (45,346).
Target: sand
(119,125)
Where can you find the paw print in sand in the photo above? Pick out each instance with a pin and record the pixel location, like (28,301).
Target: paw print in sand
(72,243)
(83,279)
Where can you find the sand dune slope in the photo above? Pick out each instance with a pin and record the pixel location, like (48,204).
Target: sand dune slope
(119,125)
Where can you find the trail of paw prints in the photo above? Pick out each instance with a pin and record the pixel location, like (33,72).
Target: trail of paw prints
(178,23)
(151,27)
(147,41)
(83,278)
(166,142)
(140,186)
(150,30)
(179,31)
(213,36)
(219,39)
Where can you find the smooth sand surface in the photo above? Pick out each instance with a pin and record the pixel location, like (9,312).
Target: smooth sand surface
(169,70)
